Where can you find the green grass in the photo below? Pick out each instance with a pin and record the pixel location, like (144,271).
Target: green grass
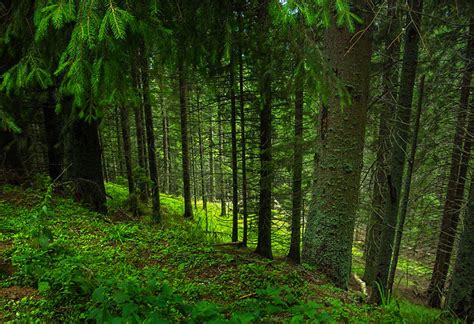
(73,265)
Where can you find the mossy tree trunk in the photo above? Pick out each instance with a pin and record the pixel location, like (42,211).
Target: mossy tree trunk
(327,242)
(233,124)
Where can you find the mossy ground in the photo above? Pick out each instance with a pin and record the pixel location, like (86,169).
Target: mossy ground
(61,262)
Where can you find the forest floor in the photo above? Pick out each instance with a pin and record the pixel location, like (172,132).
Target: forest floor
(61,262)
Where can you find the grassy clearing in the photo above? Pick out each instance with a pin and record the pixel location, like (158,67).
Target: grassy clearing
(68,264)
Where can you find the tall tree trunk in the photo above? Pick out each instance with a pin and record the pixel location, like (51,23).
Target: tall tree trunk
(119,146)
(264,239)
(397,161)
(221,162)
(243,143)
(461,292)
(140,134)
(380,190)
(455,190)
(166,161)
(201,166)
(294,253)
(102,156)
(327,242)
(211,159)
(53,123)
(152,162)
(407,186)
(233,122)
(188,210)
(127,149)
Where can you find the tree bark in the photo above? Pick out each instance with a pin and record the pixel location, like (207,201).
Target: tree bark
(125,125)
(188,210)
(295,242)
(140,134)
(380,190)
(455,191)
(407,186)
(461,292)
(86,168)
(243,143)
(327,242)
(152,162)
(233,122)
(397,160)
(264,240)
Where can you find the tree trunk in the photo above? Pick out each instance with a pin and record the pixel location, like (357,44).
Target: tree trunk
(389,81)
(166,160)
(407,186)
(152,162)
(461,292)
(86,169)
(264,242)
(221,162)
(243,143)
(455,190)
(233,122)
(119,146)
(140,134)
(188,210)
(125,125)
(53,123)
(294,253)
(211,158)
(397,161)
(327,242)
(201,166)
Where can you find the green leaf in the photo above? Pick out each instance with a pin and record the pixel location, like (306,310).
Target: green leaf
(99,295)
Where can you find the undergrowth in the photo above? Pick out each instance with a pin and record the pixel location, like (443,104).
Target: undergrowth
(84,266)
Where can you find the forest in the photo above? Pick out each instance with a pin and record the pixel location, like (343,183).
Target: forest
(241,161)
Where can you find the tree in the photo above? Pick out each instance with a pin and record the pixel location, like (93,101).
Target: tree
(295,247)
(327,241)
(398,158)
(384,141)
(455,191)
(264,243)
(461,292)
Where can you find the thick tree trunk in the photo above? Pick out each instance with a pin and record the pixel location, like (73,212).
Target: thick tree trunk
(295,242)
(127,149)
(380,190)
(188,210)
(86,169)
(233,122)
(407,186)
(264,243)
(327,242)
(456,182)
(397,161)
(461,292)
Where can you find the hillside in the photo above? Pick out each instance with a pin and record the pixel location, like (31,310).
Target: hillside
(61,262)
